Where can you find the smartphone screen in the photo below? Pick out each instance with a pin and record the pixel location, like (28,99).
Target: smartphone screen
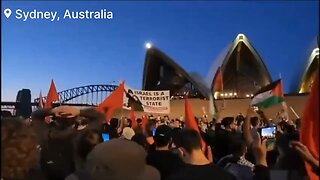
(269,132)
(105,137)
(154,131)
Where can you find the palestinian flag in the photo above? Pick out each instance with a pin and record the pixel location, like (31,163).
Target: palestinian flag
(269,95)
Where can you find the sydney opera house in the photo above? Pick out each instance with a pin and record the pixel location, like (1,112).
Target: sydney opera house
(243,72)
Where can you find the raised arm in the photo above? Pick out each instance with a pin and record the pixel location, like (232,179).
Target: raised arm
(263,116)
(261,170)
(247,127)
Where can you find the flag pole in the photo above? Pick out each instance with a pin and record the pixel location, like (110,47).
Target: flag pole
(294,112)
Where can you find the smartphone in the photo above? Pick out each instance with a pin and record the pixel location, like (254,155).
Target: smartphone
(154,131)
(105,137)
(269,132)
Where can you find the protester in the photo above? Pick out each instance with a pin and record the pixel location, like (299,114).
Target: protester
(236,163)
(162,158)
(71,148)
(225,132)
(258,149)
(256,124)
(113,128)
(141,140)
(197,165)
(87,141)
(19,153)
(119,159)
(289,159)
(57,149)
(127,133)
(306,155)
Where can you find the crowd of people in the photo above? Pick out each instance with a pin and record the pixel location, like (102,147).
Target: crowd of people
(67,143)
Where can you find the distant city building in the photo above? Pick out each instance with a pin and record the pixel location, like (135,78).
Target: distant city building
(243,71)
(162,73)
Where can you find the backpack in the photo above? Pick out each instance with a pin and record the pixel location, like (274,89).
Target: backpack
(57,158)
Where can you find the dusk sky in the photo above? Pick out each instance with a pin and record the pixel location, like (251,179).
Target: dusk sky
(83,52)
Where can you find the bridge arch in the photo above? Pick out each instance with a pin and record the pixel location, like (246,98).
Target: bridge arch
(69,94)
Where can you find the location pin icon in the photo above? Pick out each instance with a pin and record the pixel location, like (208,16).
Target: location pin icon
(7,12)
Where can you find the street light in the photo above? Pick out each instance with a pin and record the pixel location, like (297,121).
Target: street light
(148,45)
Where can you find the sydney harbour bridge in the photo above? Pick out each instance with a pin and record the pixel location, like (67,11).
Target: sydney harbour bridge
(90,95)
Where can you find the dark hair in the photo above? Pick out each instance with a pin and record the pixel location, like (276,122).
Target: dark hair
(175,134)
(85,144)
(139,120)
(240,118)
(18,148)
(298,123)
(188,139)
(238,147)
(282,124)
(288,128)
(254,121)
(63,123)
(114,123)
(140,139)
(227,121)
(129,121)
(163,136)
(106,128)
(130,91)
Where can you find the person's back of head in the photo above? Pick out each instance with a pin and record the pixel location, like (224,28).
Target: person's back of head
(129,123)
(87,141)
(255,122)
(139,121)
(239,119)
(114,123)
(163,136)
(288,128)
(238,147)
(289,158)
(228,123)
(188,139)
(188,143)
(19,152)
(141,140)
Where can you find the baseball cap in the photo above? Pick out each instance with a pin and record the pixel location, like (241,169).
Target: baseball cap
(128,133)
(163,134)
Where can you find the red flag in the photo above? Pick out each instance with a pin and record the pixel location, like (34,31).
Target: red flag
(133,118)
(144,122)
(190,121)
(112,102)
(218,81)
(52,96)
(310,125)
(40,106)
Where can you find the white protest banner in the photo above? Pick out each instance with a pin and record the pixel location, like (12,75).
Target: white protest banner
(147,101)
